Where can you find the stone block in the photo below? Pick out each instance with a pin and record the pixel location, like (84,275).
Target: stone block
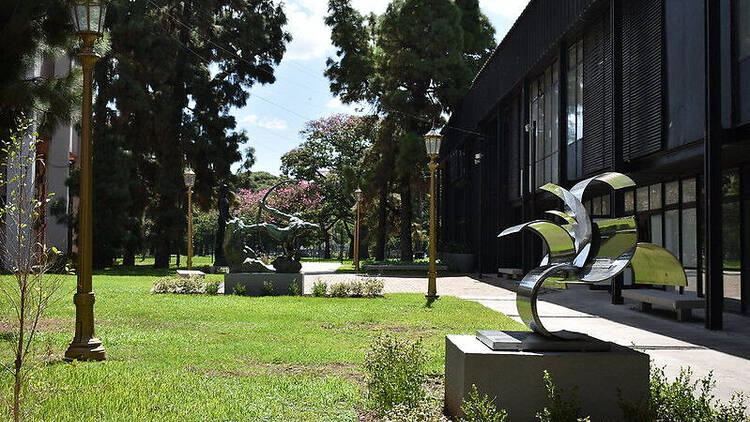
(514,379)
(190,273)
(253,282)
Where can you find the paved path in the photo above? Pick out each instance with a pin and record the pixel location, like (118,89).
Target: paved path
(670,344)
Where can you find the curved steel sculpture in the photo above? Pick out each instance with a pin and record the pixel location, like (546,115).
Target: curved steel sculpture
(586,251)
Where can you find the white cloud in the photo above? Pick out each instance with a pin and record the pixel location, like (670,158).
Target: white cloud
(272,123)
(366,7)
(506,8)
(311,38)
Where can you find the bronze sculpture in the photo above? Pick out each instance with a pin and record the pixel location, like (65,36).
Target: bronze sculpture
(242,258)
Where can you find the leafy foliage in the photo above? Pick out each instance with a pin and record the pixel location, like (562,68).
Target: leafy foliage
(480,408)
(320,288)
(684,400)
(558,408)
(181,285)
(395,373)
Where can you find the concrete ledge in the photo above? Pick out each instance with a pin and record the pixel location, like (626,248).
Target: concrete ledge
(190,273)
(253,282)
(514,379)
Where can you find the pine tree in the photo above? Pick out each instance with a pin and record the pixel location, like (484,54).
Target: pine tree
(413,63)
(180,67)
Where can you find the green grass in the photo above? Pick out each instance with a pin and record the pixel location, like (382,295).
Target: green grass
(227,358)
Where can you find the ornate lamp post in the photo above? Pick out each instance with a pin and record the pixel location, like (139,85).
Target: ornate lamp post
(432,143)
(189,183)
(358,197)
(88,18)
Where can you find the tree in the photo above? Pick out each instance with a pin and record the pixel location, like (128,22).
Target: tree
(333,155)
(413,63)
(30,290)
(30,30)
(255,180)
(178,67)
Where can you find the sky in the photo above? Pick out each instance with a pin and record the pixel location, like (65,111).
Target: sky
(276,113)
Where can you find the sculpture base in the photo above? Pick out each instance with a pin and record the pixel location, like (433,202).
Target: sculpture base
(254,283)
(528,341)
(85,350)
(514,379)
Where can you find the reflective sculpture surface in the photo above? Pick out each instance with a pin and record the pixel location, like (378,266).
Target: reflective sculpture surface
(584,251)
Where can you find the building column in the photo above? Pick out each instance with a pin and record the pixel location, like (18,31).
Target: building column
(712,169)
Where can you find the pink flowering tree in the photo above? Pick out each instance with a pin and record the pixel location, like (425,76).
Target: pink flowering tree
(302,198)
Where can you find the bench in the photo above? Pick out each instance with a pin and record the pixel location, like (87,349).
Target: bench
(682,303)
(513,273)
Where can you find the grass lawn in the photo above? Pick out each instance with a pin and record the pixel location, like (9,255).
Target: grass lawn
(227,358)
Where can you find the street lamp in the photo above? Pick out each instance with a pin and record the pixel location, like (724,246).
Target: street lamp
(432,144)
(358,213)
(88,19)
(189,183)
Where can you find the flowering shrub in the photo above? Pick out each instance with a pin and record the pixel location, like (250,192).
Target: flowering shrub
(179,285)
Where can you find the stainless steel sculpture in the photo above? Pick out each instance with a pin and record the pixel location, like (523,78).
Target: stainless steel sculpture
(585,251)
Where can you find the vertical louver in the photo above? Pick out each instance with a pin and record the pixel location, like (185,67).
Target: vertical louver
(642,56)
(596,94)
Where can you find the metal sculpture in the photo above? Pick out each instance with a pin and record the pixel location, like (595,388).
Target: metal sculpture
(287,236)
(586,251)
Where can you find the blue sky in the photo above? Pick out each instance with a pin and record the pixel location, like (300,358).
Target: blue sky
(275,113)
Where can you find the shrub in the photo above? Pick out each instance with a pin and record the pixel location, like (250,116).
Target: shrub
(179,285)
(268,288)
(356,288)
(684,400)
(212,287)
(239,290)
(294,289)
(340,289)
(395,373)
(480,408)
(320,288)
(559,409)
(426,410)
(373,287)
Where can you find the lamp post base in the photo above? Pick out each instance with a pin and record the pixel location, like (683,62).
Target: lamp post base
(85,350)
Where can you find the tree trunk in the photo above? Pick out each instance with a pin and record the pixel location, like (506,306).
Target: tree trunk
(326,244)
(128,257)
(162,254)
(407,250)
(364,235)
(382,223)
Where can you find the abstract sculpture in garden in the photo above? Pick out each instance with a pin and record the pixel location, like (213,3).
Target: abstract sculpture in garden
(244,259)
(586,251)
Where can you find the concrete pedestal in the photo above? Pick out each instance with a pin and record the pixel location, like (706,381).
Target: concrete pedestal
(253,282)
(514,378)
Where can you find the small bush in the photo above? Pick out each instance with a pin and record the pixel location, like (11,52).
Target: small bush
(684,400)
(480,408)
(395,373)
(340,289)
(212,287)
(268,288)
(373,287)
(179,285)
(320,288)
(239,290)
(429,409)
(559,409)
(294,289)
(356,288)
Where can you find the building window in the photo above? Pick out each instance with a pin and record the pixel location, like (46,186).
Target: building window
(731,239)
(574,112)
(544,102)
(743,29)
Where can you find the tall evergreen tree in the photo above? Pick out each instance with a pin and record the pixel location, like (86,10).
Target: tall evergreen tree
(180,66)
(413,63)
(31,30)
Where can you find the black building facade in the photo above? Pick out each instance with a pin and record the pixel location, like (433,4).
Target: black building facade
(579,87)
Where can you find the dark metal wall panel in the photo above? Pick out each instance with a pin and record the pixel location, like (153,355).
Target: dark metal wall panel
(511,127)
(685,70)
(642,41)
(597,152)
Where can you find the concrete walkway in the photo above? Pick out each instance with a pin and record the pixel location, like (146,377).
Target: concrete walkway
(670,344)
